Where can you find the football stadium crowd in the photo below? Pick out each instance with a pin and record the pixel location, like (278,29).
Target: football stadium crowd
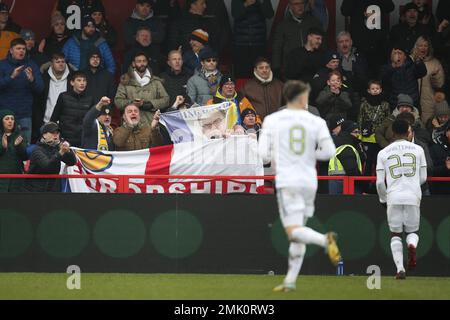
(85,88)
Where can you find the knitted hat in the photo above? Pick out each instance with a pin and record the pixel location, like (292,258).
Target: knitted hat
(201,36)
(6,112)
(150,2)
(349,126)
(405,100)
(57,18)
(106,110)
(49,127)
(332,55)
(402,47)
(248,111)
(410,6)
(225,79)
(97,7)
(207,53)
(27,34)
(86,20)
(442,109)
(4,7)
(335,121)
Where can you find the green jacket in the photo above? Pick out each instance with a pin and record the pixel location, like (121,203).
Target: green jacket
(154,95)
(11,161)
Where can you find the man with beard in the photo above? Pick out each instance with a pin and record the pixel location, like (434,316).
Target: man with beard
(141,88)
(136,133)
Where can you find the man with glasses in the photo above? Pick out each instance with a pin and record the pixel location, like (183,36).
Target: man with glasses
(203,85)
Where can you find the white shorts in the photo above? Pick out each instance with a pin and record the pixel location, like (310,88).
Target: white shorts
(295,205)
(403,218)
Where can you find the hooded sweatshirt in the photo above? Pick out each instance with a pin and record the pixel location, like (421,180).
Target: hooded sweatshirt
(55,88)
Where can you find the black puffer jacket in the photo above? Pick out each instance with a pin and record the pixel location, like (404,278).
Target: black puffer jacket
(69,112)
(46,159)
(250,27)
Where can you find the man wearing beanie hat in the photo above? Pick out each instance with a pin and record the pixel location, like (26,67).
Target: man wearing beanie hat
(436,125)
(144,16)
(335,125)
(384,135)
(401,74)
(198,42)
(227,93)
(32,51)
(58,37)
(408,31)
(202,86)
(12,151)
(332,62)
(249,121)
(97,131)
(78,46)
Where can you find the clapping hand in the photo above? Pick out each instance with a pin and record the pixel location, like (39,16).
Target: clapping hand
(29,74)
(5,141)
(18,141)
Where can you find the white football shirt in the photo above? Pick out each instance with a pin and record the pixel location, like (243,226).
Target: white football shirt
(293,140)
(401,170)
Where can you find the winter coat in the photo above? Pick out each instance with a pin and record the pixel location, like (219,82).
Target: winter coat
(142,137)
(107,32)
(154,95)
(8,34)
(11,159)
(47,160)
(176,85)
(70,111)
(290,34)
(303,64)
(90,134)
(357,77)
(250,27)
(100,84)
(54,45)
(439,153)
(266,98)
(134,22)
(434,79)
(198,88)
(17,94)
(371,116)
(403,80)
(330,104)
(348,157)
(384,135)
(191,62)
(76,52)
(403,34)
(366,39)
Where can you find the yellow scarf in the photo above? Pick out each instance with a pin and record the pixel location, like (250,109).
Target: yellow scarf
(232,115)
(102,137)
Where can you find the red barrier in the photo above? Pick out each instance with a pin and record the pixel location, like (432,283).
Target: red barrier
(124,180)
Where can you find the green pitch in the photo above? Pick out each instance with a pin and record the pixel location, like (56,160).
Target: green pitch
(210,287)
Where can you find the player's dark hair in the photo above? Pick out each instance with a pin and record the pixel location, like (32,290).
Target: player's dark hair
(400,128)
(408,117)
(293,88)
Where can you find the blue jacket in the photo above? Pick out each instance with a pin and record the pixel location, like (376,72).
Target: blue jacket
(72,51)
(17,94)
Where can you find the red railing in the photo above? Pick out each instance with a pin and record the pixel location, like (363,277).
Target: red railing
(124,180)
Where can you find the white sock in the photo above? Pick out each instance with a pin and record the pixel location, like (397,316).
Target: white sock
(412,239)
(309,236)
(397,253)
(296,255)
